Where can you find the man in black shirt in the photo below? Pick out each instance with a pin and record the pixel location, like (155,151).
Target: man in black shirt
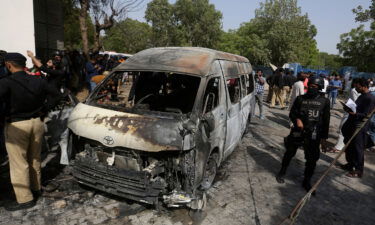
(355,152)
(3,74)
(55,74)
(278,88)
(25,97)
(310,115)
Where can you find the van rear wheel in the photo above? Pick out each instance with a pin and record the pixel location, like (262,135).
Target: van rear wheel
(210,171)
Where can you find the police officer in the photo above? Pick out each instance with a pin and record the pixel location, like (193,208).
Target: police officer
(3,74)
(310,115)
(25,97)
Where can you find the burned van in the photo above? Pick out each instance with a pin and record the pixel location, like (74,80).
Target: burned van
(157,128)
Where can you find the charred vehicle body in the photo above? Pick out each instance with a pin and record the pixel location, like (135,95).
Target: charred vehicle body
(160,136)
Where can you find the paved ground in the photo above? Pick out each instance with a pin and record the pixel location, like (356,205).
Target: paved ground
(245,191)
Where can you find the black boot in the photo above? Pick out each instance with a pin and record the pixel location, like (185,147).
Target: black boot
(14,206)
(280,176)
(307,186)
(36,194)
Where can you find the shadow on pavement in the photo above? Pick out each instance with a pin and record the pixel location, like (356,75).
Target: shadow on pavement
(339,199)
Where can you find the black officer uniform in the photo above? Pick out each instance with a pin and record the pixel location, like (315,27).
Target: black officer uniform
(314,112)
(25,97)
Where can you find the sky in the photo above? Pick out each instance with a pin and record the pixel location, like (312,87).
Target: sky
(331,17)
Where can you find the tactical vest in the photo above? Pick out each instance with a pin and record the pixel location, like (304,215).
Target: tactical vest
(311,115)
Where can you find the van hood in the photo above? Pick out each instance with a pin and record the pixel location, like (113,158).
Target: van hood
(120,129)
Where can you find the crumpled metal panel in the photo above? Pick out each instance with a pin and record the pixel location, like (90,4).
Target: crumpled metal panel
(120,129)
(186,60)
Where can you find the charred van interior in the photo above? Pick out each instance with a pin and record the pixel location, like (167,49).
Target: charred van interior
(154,91)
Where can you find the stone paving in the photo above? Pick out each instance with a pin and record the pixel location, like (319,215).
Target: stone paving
(245,191)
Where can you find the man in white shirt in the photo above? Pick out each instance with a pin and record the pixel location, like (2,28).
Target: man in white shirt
(298,88)
(326,84)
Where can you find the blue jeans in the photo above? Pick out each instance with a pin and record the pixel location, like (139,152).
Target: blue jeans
(333,96)
(92,85)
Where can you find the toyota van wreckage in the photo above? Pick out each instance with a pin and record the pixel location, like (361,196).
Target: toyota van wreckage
(158,127)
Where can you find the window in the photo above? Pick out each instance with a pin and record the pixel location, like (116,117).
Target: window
(250,87)
(211,95)
(234,89)
(153,91)
(243,86)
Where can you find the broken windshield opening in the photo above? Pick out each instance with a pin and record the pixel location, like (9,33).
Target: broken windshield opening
(154,91)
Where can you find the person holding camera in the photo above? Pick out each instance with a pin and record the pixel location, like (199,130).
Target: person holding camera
(310,115)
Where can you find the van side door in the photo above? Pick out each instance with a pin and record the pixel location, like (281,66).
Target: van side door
(246,98)
(214,110)
(234,114)
(233,93)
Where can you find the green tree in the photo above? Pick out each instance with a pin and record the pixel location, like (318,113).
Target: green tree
(289,34)
(199,21)
(278,34)
(104,13)
(328,61)
(245,42)
(160,14)
(185,23)
(358,46)
(128,36)
(365,15)
(72,35)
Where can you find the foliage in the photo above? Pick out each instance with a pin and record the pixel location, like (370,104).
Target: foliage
(199,21)
(358,46)
(278,34)
(72,35)
(288,33)
(160,14)
(105,13)
(185,23)
(128,36)
(325,60)
(245,42)
(365,15)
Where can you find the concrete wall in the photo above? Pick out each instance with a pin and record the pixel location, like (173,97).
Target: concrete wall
(17,26)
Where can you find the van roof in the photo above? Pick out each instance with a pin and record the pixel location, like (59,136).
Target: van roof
(187,60)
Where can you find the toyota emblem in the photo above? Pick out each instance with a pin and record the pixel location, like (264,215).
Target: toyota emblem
(108,140)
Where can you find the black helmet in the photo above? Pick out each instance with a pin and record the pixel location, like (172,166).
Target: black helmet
(318,81)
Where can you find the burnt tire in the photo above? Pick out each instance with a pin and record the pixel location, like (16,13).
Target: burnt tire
(210,171)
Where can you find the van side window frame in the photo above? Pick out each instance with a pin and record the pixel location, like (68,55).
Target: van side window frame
(244,90)
(218,98)
(238,84)
(251,84)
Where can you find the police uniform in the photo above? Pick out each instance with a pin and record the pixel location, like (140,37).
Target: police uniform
(314,112)
(25,97)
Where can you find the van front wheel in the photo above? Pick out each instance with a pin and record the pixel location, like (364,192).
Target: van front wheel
(210,171)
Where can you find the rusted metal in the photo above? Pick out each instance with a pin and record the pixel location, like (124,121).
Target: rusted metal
(144,152)
(125,129)
(186,60)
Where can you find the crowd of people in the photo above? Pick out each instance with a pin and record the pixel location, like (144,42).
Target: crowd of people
(27,94)
(311,98)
